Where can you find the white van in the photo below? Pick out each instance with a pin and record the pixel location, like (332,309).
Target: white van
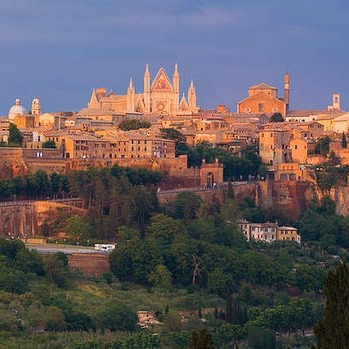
(104,247)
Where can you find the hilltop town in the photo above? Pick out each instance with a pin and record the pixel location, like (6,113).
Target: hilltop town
(65,141)
(143,221)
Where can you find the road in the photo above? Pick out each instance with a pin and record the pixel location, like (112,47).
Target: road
(29,202)
(67,249)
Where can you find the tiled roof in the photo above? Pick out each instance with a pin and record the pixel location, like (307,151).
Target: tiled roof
(262,86)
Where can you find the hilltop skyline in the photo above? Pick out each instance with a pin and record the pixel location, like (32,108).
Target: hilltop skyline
(61,51)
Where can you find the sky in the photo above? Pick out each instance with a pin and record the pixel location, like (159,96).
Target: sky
(60,50)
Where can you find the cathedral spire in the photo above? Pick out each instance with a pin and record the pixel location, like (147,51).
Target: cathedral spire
(130,97)
(147,88)
(176,78)
(130,86)
(192,95)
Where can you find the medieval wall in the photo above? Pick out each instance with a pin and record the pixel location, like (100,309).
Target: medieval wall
(91,264)
(11,163)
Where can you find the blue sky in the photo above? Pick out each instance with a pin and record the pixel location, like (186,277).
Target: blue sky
(60,50)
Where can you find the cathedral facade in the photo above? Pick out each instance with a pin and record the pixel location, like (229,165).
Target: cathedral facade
(160,96)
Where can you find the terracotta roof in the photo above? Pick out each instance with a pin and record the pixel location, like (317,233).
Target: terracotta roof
(308,112)
(262,86)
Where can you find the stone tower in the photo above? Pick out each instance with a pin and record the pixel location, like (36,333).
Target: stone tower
(175,83)
(287,90)
(130,97)
(192,95)
(336,100)
(147,89)
(36,107)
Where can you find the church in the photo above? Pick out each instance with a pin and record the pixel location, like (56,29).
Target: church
(263,98)
(160,96)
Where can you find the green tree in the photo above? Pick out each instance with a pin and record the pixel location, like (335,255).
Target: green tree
(322,146)
(344,141)
(201,340)
(57,269)
(78,228)
(187,205)
(260,338)
(163,229)
(15,136)
(277,117)
(49,144)
(178,137)
(161,278)
(117,317)
(332,331)
(133,124)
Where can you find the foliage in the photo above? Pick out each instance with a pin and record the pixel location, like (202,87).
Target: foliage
(186,205)
(133,124)
(201,340)
(49,144)
(259,338)
(15,137)
(117,317)
(161,278)
(332,330)
(57,269)
(277,117)
(322,146)
(78,228)
(175,135)
(344,141)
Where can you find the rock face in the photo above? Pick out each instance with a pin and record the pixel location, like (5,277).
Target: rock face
(23,219)
(288,197)
(340,195)
(11,163)
(18,221)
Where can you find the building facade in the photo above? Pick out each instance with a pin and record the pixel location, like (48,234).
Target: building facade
(160,96)
(263,98)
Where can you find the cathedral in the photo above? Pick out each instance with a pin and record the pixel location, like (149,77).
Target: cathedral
(160,96)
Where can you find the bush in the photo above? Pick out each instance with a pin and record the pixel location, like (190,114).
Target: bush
(117,317)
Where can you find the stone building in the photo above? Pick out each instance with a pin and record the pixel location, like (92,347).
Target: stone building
(124,146)
(268,232)
(16,110)
(160,96)
(263,98)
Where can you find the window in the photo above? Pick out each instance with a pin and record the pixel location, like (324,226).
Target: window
(260,106)
(296,146)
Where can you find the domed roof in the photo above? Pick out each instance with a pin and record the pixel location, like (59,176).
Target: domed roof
(16,109)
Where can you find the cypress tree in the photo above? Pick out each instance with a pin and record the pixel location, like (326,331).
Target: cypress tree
(344,141)
(332,331)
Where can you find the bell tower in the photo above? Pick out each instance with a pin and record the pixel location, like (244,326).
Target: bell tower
(336,100)
(36,107)
(287,90)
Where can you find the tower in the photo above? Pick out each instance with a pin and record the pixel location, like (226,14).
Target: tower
(147,89)
(36,107)
(175,82)
(130,100)
(287,90)
(192,96)
(336,100)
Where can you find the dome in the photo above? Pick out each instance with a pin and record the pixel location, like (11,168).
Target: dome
(16,109)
